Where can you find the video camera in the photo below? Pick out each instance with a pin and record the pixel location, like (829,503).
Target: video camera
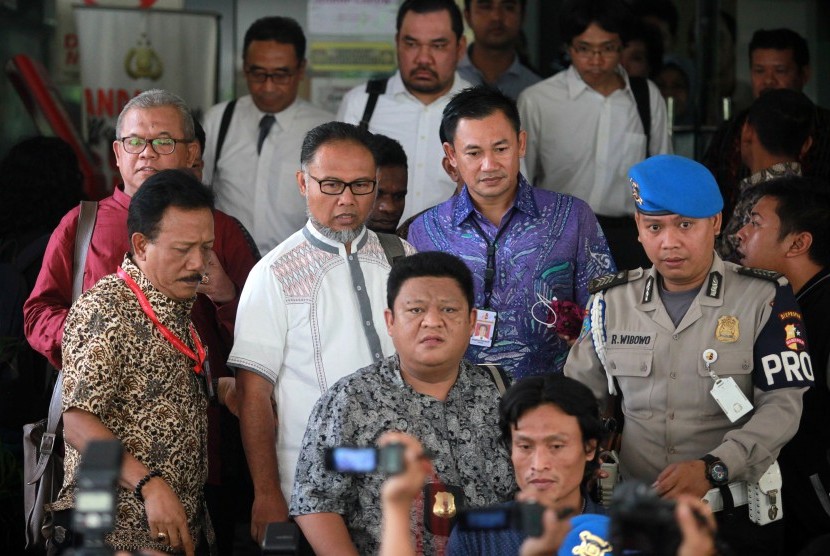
(388,459)
(522,516)
(281,539)
(97,496)
(642,522)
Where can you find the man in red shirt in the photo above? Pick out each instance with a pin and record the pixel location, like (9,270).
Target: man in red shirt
(154,132)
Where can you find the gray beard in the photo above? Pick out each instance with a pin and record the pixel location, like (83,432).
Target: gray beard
(340,236)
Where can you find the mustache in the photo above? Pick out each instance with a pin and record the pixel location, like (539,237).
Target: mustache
(192,278)
(424,68)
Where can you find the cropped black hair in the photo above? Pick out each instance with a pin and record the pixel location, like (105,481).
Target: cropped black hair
(168,188)
(783,120)
(331,132)
(781,39)
(429,6)
(469,3)
(476,103)
(432,264)
(613,16)
(275,28)
(569,395)
(803,206)
(388,152)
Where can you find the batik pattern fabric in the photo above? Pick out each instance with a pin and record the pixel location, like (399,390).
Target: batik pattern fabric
(119,367)
(461,432)
(552,247)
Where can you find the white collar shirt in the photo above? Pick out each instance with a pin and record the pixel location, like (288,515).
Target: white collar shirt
(260,190)
(401,116)
(310,314)
(583,143)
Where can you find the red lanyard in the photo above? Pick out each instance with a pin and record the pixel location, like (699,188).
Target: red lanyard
(169,336)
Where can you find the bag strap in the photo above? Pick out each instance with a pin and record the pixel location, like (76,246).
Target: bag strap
(83,237)
(375,88)
(392,247)
(639,88)
(49,438)
(223,131)
(498,375)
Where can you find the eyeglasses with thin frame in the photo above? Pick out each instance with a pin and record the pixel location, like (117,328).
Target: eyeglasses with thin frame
(605,50)
(280,77)
(336,187)
(162,145)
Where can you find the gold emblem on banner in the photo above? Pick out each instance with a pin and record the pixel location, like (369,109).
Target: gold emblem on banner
(728,330)
(444,505)
(635,192)
(142,62)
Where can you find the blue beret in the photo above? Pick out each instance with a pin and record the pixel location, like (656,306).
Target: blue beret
(590,533)
(671,184)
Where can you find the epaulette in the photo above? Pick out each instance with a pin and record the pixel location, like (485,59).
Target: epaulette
(611,280)
(769,275)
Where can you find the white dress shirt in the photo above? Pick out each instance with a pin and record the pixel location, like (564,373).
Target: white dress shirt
(583,143)
(260,190)
(310,314)
(400,115)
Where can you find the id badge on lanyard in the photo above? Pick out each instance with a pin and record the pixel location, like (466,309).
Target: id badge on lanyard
(484,332)
(485,328)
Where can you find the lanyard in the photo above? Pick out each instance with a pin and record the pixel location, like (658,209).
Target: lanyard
(490,271)
(198,368)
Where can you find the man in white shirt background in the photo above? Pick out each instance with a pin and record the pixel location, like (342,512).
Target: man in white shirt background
(250,161)
(586,127)
(430,42)
(492,58)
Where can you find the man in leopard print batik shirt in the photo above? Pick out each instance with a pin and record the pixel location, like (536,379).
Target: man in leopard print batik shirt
(134,369)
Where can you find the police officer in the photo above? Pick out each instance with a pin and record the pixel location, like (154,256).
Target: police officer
(710,358)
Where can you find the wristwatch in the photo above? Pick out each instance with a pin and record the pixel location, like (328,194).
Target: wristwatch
(716,471)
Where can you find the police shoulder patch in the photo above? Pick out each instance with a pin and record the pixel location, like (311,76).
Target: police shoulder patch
(769,275)
(611,280)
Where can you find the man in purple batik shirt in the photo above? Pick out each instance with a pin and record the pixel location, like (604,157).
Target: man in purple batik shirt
(532,252)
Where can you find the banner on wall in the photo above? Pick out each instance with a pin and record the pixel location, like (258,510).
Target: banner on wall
(126,51)
(352,17)
(65,48)
(350,41)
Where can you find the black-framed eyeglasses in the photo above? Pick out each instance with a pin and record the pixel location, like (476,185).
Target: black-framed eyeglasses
(336,187)
(162,145)
(587,51)
(280,77)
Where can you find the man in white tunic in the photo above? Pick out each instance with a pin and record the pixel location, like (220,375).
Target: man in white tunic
(311,311)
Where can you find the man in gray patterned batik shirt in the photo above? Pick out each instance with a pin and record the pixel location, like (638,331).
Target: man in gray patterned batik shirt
(426,390)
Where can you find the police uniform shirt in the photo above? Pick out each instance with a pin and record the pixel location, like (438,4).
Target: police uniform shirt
(755,326)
